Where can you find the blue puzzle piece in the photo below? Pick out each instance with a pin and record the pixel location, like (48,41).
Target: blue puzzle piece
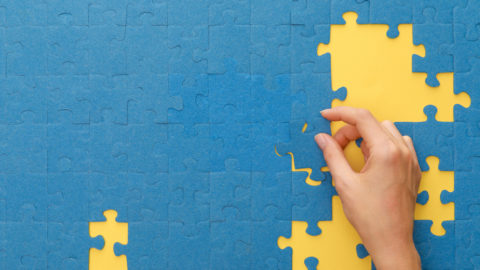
(312,203)
(464,194)
(303,146)
(146,11)
(69,55)
(265,12)
(65,239)
(265,253)
(238,10)
(187,251)
(437,252)
(231,240)
(432,35)
(272,191)
(104,12)
(229,95)
(467,237)
(270,52)
(182,43)
(313,94)
(339,7)
(468,82)
(219,49)
(107,191)
(442,11)
(466,13)
(311,263)
(465,147)
(361,251)
(148,245)
(147,56)
(422,197)
(189,201)
(463,49)
(427,136)
(65,191)
(303,49)
(22,251)
(230,188)
(392,13)
(148,197)
(188,12)
(67,12)
(310,13)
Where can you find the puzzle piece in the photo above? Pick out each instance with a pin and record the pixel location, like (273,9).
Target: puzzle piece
(236,248)
(441,9)
(393,13)
(426,140)
(335,247)
(463,50)
(147,247)
(436,252)
(303,146)
(464,191)
(339,7)
(64,239)
(467,237)
(466,13)
(265,253)
(112,232)
(434,182)
(310,13)
(311,263)
(433,35)
(312,203)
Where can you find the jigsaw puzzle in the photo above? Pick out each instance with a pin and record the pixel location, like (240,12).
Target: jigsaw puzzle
(170,114)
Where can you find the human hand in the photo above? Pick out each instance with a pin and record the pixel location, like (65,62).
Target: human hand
(379,201)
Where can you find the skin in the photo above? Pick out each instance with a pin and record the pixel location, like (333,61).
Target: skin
(379,201)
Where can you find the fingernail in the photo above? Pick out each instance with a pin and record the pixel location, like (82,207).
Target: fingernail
(324,111)
(320,139)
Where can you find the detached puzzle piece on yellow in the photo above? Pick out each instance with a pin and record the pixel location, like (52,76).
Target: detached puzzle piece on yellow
(112,232)
(434,182)
(335,247)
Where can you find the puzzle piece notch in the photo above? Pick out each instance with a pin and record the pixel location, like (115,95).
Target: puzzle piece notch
(112,232)
(434,182)
(311,263)
(312,203)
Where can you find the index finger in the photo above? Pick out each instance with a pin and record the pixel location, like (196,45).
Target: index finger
(368,127)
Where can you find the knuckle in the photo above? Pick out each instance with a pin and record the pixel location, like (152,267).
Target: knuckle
(364,113)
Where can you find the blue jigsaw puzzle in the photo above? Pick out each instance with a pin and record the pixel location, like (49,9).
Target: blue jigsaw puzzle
(171,113)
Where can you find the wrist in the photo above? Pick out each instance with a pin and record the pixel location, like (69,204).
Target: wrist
(397,255)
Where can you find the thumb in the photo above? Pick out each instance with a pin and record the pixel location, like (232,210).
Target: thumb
(333,154)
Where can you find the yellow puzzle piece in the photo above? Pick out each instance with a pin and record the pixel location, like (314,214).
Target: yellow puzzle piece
(335,247)
(434,182)
(112,232)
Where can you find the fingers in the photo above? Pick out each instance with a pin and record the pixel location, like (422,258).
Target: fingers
(368,127)
(408,141)
(336,161)
(346,134)
(392,129)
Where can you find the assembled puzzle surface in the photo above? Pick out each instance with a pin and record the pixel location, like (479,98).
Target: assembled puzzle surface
(179,134)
